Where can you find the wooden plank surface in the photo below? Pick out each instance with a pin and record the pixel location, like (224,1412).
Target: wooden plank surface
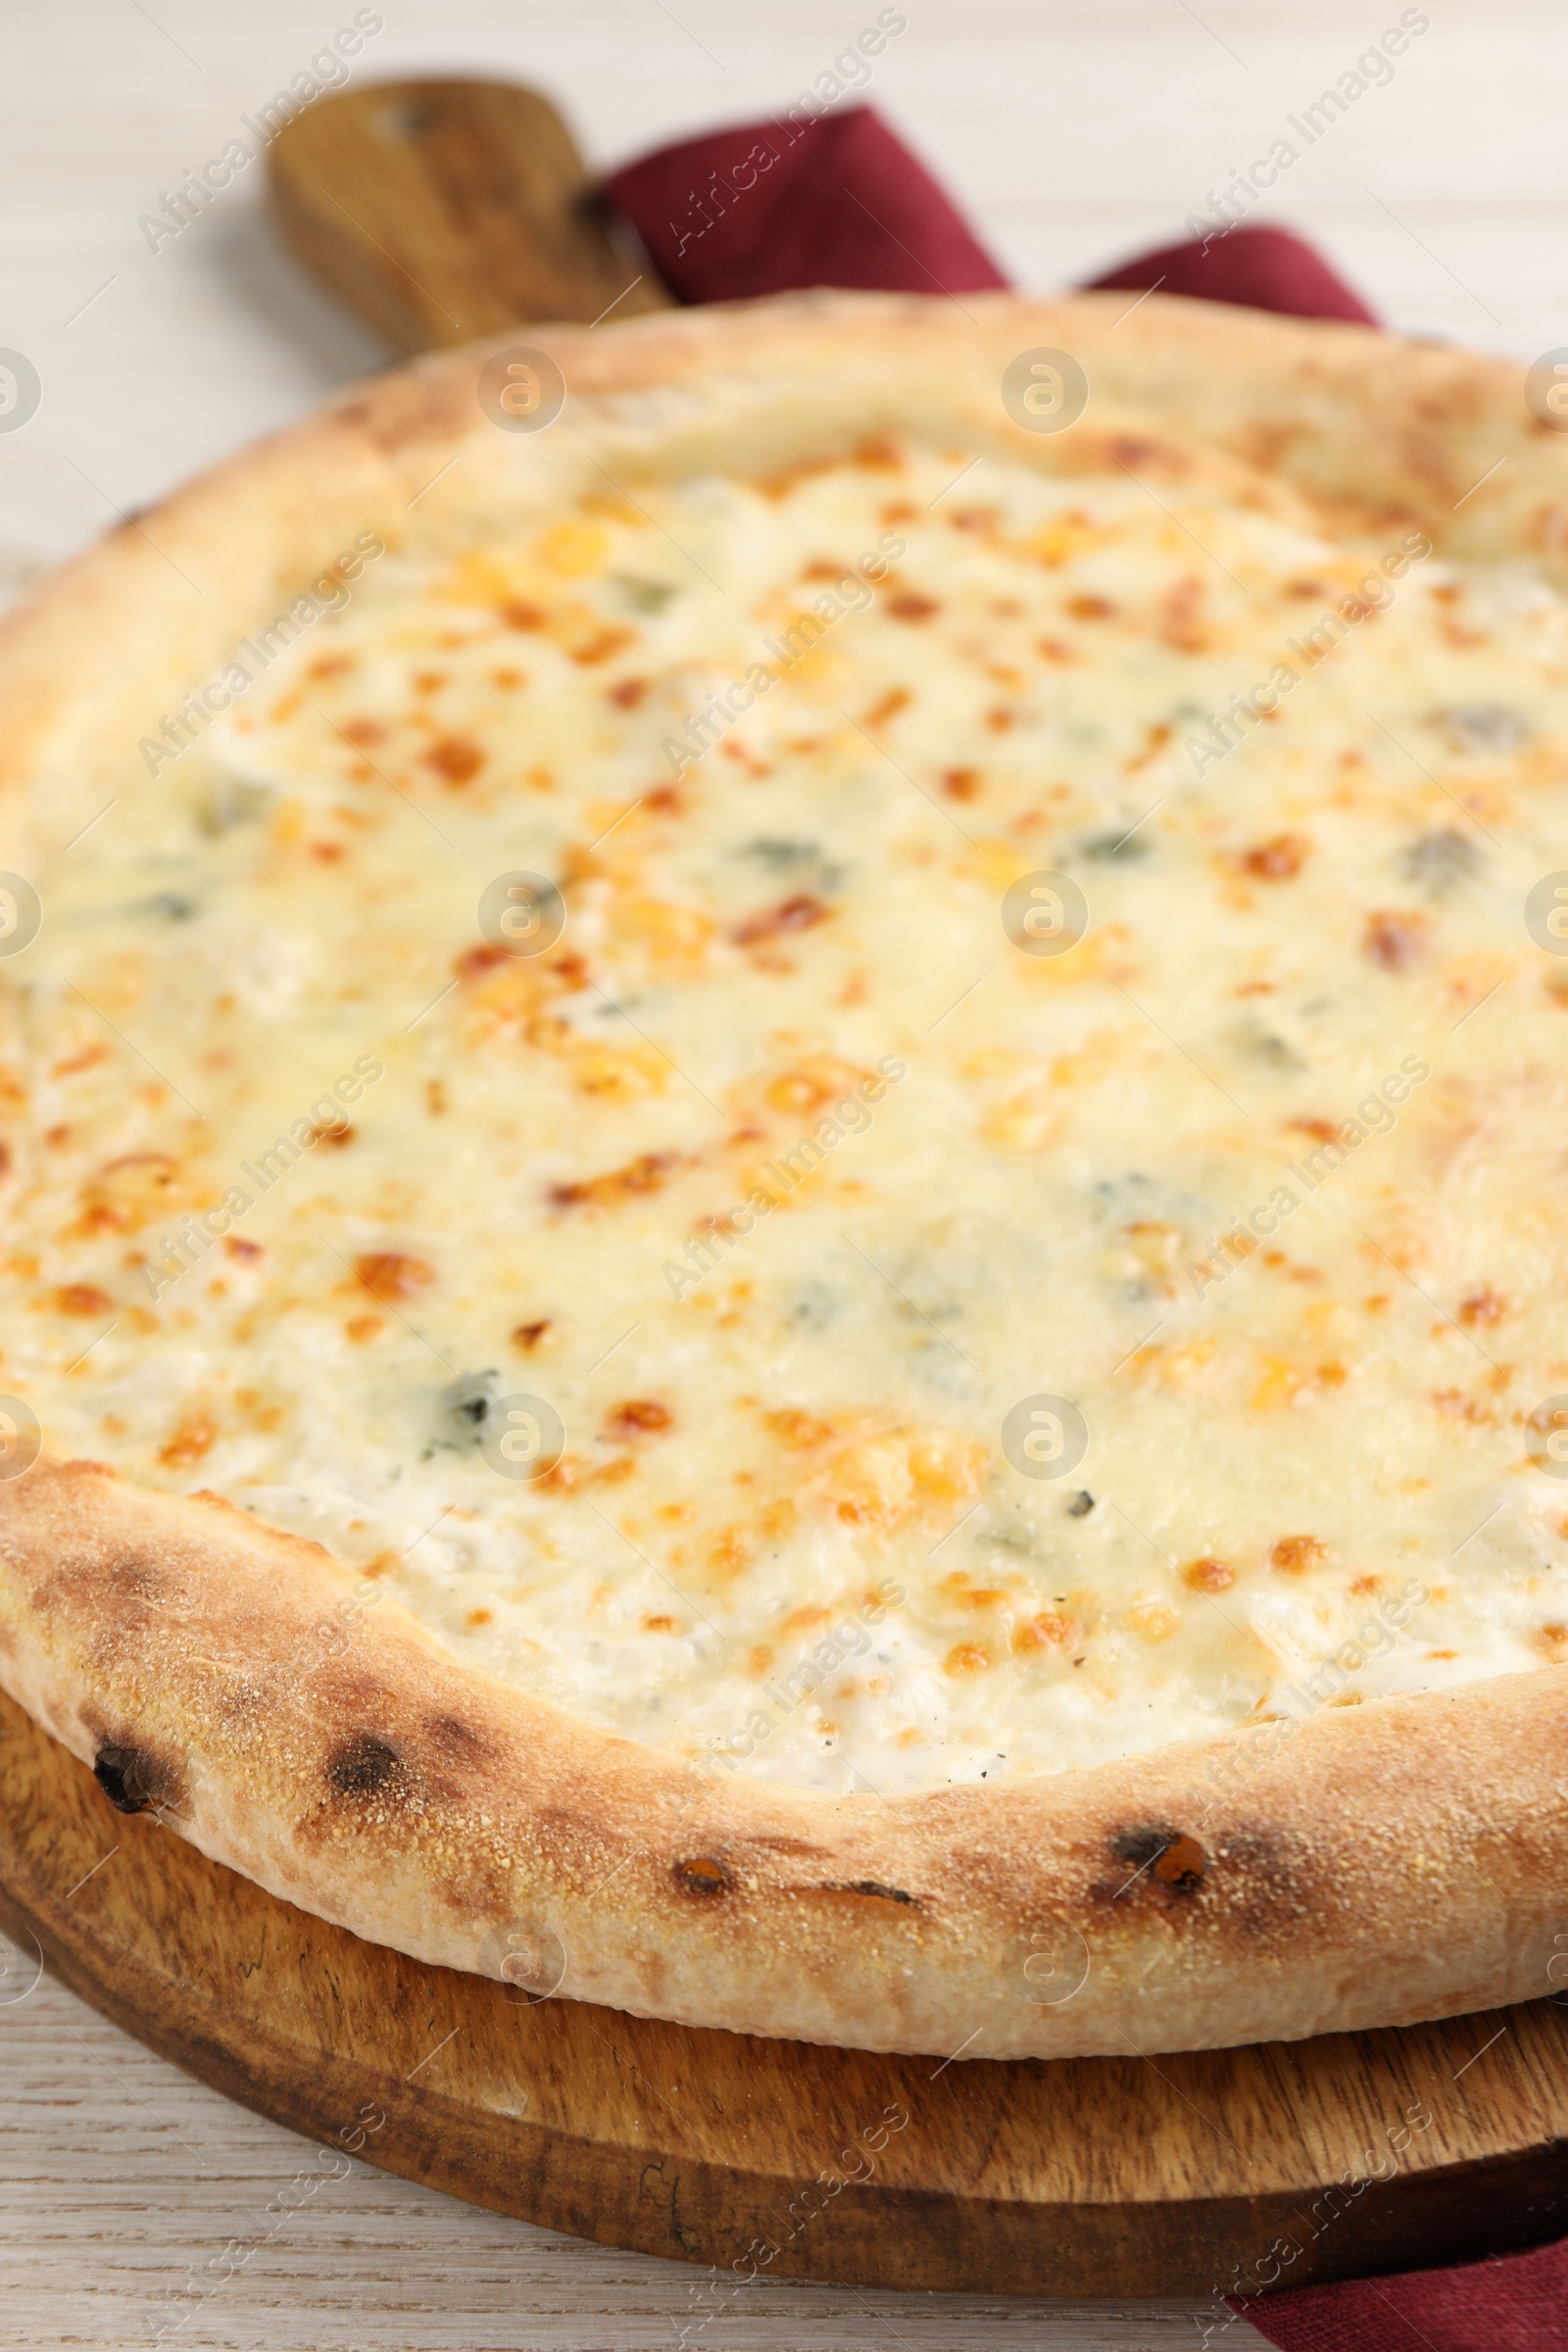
(1074,137)
(122,2181)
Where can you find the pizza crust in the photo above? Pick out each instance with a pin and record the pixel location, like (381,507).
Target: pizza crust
(1382,1864)
(1374,1865)
(1368,431)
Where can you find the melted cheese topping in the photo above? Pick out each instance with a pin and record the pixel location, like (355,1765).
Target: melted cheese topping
(784,1176)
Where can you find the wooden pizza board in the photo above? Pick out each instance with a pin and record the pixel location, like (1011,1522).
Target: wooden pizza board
(1126,2175)
(444,209)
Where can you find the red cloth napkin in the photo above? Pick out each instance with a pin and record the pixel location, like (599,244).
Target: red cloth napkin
(827,200)
(837,200)
(1265,269)
(1517,2305)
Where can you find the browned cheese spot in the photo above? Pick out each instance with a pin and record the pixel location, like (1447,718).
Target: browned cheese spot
(1043,1630)
(454,759)
(590,651)
(81,1298)
(648,1172)
(1395,941)
(195,1436)
(1208,1576)
(639,1416)
(389,1274)
(792,914)
(1279,859)
(887,706)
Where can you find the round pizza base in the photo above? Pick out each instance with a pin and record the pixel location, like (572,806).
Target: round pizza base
(1397,1861)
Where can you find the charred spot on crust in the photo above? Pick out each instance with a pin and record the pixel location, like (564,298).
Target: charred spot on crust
(1173,1856)
(1263,1882)
(1139,1848)
(1270,1872)
(363,1766)
(871,1887)
(703,1876)
(139,1576)
(131,1778)
(1182,1864)
(457,1741)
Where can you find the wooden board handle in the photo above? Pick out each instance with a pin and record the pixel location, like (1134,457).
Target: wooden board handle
(445,210)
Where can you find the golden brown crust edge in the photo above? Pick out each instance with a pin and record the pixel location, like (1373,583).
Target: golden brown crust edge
(1381,1864)
(1374,1866)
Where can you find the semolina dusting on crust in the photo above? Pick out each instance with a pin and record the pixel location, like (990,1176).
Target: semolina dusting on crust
(1171,1852)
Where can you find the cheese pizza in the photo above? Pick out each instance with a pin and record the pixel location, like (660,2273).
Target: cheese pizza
(784,1216)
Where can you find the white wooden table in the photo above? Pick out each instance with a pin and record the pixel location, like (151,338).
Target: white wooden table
(1074,134)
